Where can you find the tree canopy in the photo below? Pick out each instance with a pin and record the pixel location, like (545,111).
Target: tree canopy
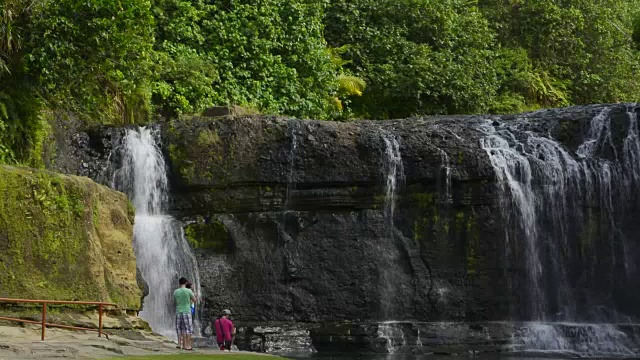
(133,61)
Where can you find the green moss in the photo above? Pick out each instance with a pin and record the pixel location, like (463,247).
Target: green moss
(39,139)
(472,234)
(131,211)
(423,200)
(203,160)
(460,157)
(208,138)
(49,227)
(38,213)
(378,201)
(212,236)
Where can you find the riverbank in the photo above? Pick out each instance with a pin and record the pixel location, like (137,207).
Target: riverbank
(24,343)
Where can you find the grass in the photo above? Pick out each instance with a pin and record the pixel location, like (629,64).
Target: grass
(230,356)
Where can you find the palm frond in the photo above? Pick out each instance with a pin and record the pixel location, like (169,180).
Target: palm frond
(350,85)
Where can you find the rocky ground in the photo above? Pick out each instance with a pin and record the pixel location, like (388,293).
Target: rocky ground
(24,343)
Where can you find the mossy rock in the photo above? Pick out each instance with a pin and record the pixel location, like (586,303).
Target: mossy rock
(209,235)
(65,238)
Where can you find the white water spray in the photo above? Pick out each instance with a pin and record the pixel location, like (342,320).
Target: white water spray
(393,335)
(577,340)
(445,166)
(162,252)
(514,178)
(546,194)
(632,150)
(394,173)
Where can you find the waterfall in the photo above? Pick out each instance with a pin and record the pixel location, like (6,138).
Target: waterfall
(162,252)
(445,166)
(392,334)
(393,173)
(515,174)
(577,340)
(290,169)
(548,194)
(632,151)
(599,134)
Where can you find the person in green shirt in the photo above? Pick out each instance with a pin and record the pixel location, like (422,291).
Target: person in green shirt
(184,297)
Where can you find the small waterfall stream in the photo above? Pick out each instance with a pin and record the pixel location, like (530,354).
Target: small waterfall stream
(393,173)
(393,334)
(291,165)
(162,252)
(445,167)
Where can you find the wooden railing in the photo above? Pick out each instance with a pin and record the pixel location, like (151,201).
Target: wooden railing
(43,320)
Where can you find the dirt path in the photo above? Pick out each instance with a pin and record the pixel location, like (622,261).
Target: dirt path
(24,343)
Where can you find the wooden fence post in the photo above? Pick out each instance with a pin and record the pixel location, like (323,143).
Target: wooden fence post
(44,319)
(100,320)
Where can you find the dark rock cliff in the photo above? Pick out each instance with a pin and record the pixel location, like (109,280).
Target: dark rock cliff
(297,220)
(288,216)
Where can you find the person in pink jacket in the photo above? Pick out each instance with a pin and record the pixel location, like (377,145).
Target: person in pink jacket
(224,330)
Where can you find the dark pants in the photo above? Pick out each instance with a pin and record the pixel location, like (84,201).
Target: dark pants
(225,345)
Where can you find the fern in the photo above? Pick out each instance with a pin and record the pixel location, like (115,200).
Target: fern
(349,85)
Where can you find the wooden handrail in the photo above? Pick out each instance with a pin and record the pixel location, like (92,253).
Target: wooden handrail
(43,320)
(57,302)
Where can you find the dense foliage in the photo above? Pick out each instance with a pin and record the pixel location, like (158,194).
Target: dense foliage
(126,61)
(417,56)
(267,54)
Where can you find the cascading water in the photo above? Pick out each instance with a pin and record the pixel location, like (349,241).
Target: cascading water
(394,175)
(514,174)
(632,150)
(162,252)
(392,334)
(576,340)
(290,169)
(446,168)
(547,195)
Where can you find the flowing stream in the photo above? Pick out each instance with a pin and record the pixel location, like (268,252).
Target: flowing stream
(162,252)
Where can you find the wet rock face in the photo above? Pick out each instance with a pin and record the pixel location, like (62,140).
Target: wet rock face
(299,220)
(291,222)
(306,236)
(72,148)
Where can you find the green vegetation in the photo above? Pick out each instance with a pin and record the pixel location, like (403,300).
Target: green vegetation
(51,225)
(211,235)
(130,61)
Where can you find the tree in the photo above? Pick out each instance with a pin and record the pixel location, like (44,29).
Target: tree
(93,56)
(184,74)
(583,48)
(417,56)
(19,122)
(268,54)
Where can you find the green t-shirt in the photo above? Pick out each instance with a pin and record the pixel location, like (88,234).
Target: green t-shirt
(183,300)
